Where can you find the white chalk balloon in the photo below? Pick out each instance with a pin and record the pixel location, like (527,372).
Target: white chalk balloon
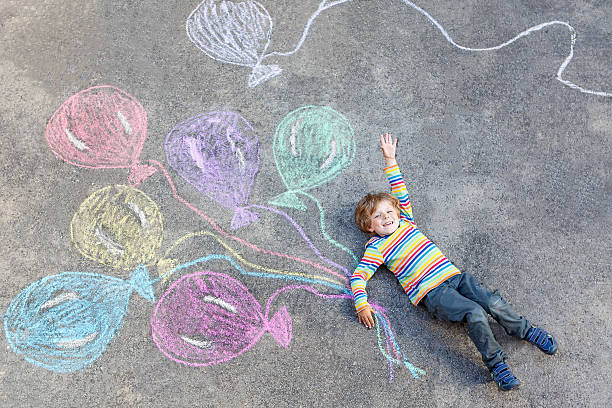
(234,32)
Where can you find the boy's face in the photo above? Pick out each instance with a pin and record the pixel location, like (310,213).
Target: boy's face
(384,220)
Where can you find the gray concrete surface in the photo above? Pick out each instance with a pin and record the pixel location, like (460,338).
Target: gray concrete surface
(508,170)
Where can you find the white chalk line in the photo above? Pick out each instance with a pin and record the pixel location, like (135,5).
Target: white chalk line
(325,5)
(518,36)
(111,245)
(220,302)
(322,7)
(293,137)
(139,213)
(79,144)
(331,156)
(77,342)
(125,123)
(59,299)
(198,343)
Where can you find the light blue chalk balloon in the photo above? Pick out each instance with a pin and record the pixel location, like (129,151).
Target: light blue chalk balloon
(64,322)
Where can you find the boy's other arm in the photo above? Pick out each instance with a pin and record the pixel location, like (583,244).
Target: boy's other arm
(370,262)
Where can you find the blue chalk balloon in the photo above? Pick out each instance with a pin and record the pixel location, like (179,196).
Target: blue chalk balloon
(64,322)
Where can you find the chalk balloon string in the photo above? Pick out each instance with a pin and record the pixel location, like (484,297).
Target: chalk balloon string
(522,34)
(265,272)
(323,230)
(383,325)
(205,34)
(381,321)
(305,237)
(324,5)
(223,232)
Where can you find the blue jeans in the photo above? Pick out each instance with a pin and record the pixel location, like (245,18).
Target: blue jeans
(462,299)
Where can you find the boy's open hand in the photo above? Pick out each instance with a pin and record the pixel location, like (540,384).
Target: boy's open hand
(365,317)
(388,146)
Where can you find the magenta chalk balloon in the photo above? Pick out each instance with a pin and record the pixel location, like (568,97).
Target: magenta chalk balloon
(208,318)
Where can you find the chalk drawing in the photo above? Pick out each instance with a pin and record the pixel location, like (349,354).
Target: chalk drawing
(87,131)
(336,281)
(380,318)
(208,318)
(525,33)
(391,345)
(306,239)
(239,33)
(204,339)
(221,231)
(64,322)
(118,226)
(324,231)
(101,127)
(312,145)
(217,153)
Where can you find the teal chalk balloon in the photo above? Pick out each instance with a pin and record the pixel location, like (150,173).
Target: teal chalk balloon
(312,145)
(64,322)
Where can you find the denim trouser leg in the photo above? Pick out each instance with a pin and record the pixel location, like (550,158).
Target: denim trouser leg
(462,298)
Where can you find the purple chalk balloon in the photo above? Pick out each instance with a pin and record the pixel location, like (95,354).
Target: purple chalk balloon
(218,153)
(208,318)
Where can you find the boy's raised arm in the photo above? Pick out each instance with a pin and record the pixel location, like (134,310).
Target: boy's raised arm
(396,181)
(388,146)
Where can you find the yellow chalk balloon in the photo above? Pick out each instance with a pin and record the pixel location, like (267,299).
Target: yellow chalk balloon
(118,226)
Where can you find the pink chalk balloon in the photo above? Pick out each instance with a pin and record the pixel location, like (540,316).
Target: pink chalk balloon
(100,127)
(209,318)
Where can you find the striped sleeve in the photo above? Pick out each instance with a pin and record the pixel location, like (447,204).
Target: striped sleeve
(398,189)
(372,259)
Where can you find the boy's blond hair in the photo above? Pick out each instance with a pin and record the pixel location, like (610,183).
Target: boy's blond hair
(367,205)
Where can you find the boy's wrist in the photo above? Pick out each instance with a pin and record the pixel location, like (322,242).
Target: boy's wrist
(390,161)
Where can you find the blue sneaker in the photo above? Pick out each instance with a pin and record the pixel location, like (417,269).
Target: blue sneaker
(503,377)
(541,338)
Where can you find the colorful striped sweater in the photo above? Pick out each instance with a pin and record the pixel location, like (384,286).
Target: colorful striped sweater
(417,262)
